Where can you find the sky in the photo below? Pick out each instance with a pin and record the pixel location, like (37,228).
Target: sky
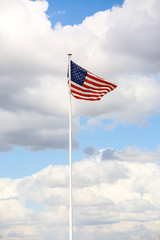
(116,148)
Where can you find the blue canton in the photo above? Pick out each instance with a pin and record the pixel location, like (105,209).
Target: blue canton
(78,74)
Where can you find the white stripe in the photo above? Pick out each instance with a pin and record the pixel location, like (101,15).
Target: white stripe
(91,74)
(96,81)
(91,93)
(83,97)
(97,89)
(87,93)
(107,84)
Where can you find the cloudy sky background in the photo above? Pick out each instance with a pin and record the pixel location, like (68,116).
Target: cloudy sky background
(116,152)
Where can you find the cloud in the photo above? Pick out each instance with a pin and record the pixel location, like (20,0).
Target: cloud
(132,154)
(120,45)
(109,154)
(89,151)
(114,199)
(16,235)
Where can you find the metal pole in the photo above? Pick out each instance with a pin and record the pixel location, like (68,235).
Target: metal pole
(70,154)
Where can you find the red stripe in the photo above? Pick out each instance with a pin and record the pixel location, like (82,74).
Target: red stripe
(89,99)
(88,90)
(100,80)
(93,75)
(97,88)
(96,84)
(87,95)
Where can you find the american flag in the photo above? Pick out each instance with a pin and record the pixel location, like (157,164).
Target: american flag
(87,86)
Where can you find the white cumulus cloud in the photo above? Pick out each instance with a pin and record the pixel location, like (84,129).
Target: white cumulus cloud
(113,199)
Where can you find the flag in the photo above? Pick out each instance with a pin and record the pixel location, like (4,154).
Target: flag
(87,86)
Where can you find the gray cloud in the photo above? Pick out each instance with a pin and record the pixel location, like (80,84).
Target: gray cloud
(108,154)
(132,154)
(89,151)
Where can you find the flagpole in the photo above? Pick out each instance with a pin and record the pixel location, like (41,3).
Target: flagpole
(70,153)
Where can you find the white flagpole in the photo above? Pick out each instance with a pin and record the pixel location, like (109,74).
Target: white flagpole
(70,153)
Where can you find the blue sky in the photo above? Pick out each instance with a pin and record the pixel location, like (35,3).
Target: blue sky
(116,147)
(20,163)
(74,12)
